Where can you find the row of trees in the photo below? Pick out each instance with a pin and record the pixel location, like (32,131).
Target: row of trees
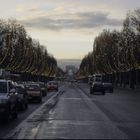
(115,51)
(21,54)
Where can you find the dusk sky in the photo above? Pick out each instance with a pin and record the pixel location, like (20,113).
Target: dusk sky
(67,27)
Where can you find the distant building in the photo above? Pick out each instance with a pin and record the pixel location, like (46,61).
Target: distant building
(62,63)
(70,69)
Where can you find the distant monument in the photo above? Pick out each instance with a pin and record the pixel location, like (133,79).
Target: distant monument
(70,71)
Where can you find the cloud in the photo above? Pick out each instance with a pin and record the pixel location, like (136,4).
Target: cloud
(26,8)
(72,21)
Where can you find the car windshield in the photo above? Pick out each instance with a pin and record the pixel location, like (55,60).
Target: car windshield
(3,87)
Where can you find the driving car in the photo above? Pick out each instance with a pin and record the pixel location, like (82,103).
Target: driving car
(97,85)
(33,91)
(22,97)
(52,85)
(108,87)
(8,100)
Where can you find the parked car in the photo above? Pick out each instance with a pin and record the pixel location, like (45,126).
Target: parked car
(90,79)
(97,85)
(8,100)
(33,91)
(22,97)
(43,88)
(52,85)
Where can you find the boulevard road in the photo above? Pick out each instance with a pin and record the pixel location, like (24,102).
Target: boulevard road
(73,113)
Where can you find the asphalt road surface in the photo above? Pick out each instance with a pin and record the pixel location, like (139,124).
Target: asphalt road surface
(73,113)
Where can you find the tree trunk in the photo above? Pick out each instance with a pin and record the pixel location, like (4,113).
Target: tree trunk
(131,82)
(123,79)
(120,79)
(137,78)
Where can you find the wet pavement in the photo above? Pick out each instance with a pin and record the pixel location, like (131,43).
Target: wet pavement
(74,114)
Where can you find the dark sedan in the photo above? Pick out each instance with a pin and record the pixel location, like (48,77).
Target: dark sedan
(22,97)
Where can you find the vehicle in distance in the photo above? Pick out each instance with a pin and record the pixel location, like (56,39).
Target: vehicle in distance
(22,97)
(52,85)
(33,91)
(8,100)
(108,87)
(97,85)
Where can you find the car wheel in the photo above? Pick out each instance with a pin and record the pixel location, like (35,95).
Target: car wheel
(40,100)
(23,106)
(7,115)
(26,106)
(15,113)
(44,94)
(91,91)
(111,90)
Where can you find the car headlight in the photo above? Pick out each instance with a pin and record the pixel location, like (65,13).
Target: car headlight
(3,101)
